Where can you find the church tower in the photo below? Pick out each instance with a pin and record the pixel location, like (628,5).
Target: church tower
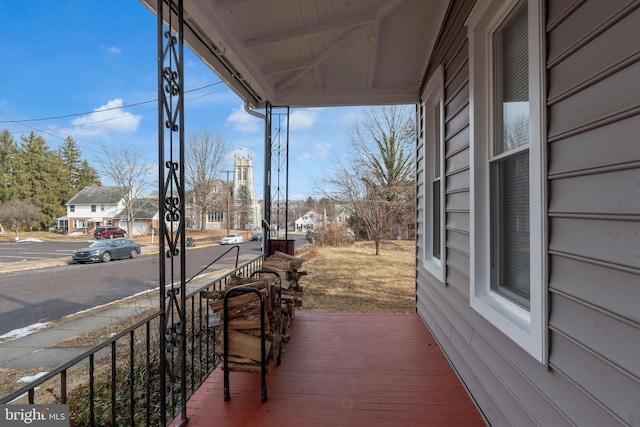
(246,210)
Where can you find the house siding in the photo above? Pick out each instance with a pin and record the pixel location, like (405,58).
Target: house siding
(593,189)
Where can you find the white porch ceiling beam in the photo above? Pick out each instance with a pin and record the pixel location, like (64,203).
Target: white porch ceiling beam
(227,4)
(373,54)
(323,56)
(354,21)
(382,13)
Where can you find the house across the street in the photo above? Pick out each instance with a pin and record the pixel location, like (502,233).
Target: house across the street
(96,206)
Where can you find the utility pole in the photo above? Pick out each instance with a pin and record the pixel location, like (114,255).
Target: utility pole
(228,203)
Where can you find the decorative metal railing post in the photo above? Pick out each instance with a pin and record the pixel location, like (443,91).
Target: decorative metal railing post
(266,214)
(280,169)
(171,225)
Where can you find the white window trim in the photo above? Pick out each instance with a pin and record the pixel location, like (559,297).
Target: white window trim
(527,328)
(433,97)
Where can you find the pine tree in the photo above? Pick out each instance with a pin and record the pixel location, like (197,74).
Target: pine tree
(32,171)
(8,152)
(242,207)
(39,179)
(77,173)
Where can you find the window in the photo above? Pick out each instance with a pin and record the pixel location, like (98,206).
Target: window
(72,208)
(102,208)
(215,217)
(93,208)
(430,128)
(79,223)
(507,169)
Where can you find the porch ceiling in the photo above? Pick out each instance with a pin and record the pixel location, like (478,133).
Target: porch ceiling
(307,53)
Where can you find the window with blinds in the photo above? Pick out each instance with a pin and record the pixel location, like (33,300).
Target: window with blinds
(508,280)
(509,160)
(431,132)
(436,184)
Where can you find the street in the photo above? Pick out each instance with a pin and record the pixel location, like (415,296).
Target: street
(47,294)
(32,251)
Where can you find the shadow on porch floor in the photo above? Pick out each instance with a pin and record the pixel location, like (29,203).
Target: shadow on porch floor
(345,370)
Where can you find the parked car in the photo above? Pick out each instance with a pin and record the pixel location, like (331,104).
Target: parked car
(257,237)
(108,232)
(231,239)
(311,236)
(106,250)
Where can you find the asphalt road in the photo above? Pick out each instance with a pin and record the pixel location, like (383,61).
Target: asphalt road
(33,251)
(46,294)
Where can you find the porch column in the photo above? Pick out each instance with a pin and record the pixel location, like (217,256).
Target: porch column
(171,227)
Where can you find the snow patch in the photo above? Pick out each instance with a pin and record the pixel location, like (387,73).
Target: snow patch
(23,332)
(31,378)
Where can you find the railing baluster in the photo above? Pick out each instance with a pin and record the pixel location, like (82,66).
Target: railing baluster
(63,386)
(193,337)
(113,383)
(92,415)
(148,378)
(132,387)
(204,336)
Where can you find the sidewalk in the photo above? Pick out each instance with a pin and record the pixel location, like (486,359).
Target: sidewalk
(35,350)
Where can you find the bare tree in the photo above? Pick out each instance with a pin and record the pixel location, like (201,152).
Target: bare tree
(18,212)
(375,208)
(204,157)
(132,175)
(378,184)
(384,140)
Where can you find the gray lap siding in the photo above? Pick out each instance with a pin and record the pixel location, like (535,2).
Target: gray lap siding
(593,189)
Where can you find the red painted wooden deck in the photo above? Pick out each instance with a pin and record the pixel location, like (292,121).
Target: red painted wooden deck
(345,370)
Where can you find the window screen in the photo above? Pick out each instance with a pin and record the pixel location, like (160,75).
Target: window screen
(509,170)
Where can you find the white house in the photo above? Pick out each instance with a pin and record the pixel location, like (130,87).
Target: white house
(309,221)
(94,206)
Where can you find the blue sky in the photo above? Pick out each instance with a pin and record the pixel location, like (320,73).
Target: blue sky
(63,60)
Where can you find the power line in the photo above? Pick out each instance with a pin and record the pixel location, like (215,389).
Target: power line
(79,139)
(66,116)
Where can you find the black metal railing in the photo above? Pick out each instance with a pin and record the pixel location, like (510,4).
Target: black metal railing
(118,381)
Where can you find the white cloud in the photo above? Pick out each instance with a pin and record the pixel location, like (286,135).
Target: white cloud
(321,151)
(304,157)
(352,116)
(243,121)
(104,121)
(111,50)
(302,119)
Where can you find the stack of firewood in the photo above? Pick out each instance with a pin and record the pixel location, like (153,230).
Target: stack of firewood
(279,287)
(288,267)
(244,331)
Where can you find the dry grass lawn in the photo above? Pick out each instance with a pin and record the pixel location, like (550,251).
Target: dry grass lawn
(353,279)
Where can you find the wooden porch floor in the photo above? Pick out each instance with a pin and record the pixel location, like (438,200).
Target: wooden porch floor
(345,370)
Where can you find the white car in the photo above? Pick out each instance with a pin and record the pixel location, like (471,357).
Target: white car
(231,239)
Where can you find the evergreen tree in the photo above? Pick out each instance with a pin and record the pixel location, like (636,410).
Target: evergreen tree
(242,207)
(76,172)
(32,171)
(38,178)
(87,175)
(8,152)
